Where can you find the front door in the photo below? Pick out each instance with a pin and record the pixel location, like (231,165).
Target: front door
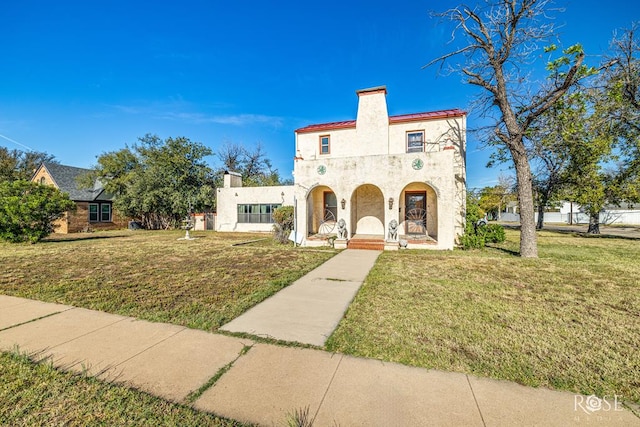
(330,206)
(415,212)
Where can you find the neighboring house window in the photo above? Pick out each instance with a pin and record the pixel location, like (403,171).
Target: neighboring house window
(93,212)
(257,213)
(99,212)
(415,142)
(43,181)
(105,212)
(325,144)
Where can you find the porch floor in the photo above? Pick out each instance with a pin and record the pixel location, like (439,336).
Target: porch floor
(422,239)
(367,237)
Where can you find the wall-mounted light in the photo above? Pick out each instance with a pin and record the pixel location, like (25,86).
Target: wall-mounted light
(343,203)
(390,202)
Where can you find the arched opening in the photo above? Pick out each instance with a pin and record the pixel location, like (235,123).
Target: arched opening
(367,211)
(322,212)
(419,211)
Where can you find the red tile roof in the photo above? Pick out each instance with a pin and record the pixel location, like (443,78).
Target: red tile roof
(415,117)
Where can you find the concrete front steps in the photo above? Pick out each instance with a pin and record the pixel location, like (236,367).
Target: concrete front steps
(370,243)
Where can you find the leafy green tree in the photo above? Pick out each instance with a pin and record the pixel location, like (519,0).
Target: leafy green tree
(493,199)
(157,181)
(501,43)
(28,210)
(589,149)
(551,138)
(18,164)
(605,155)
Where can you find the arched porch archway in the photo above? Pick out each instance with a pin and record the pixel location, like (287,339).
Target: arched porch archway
(322,211)
(419,211)
(367,211)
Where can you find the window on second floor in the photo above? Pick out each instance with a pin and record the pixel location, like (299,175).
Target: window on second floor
(325,144)
(415,142)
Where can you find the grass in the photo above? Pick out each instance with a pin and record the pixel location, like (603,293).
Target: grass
(38,394)
(569,320)
(200,284)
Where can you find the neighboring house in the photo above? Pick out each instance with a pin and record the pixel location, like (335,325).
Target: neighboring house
(94,205)
(367,175)
(572,213)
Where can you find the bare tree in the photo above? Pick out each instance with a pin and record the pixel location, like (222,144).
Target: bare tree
(231,155)
(253,164)
(502,39)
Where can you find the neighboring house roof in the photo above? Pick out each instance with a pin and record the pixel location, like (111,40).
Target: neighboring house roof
(403,118)
(65,178)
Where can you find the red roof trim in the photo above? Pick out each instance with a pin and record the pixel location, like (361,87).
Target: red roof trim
(404,118)
(327,126)
(430,115)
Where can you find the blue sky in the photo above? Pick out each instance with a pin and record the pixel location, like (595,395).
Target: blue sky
(80,78)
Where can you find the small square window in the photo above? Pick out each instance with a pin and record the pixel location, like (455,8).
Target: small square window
(324,144)
(415,142)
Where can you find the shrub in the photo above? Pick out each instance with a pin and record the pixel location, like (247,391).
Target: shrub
(28,210)
(283,223)
(494,233)
(477,237)
(472,240)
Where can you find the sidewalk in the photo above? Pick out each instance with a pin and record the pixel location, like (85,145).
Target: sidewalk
(267,382)
(310,309)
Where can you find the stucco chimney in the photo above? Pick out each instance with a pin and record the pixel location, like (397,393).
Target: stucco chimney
(232,179)
(372,122)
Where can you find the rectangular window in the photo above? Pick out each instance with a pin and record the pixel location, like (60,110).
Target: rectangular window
(105,212)
(325,144)
(415,142)
(99,212)
(93,212)
(257,213)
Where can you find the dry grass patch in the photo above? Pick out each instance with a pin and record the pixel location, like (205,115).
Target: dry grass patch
(37,394)
(568,320)
(200,284)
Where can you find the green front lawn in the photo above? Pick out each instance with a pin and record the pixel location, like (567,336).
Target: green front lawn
(569,320)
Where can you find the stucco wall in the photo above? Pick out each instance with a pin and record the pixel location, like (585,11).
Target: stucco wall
(390,174)
(229,198)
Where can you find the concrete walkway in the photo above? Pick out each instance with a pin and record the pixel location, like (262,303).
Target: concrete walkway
(268,382)
(310,309)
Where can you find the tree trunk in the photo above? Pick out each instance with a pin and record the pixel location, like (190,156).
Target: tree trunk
(594,223)
(528,237)
(540,216)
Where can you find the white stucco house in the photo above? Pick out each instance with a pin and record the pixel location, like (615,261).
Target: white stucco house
(377,181)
